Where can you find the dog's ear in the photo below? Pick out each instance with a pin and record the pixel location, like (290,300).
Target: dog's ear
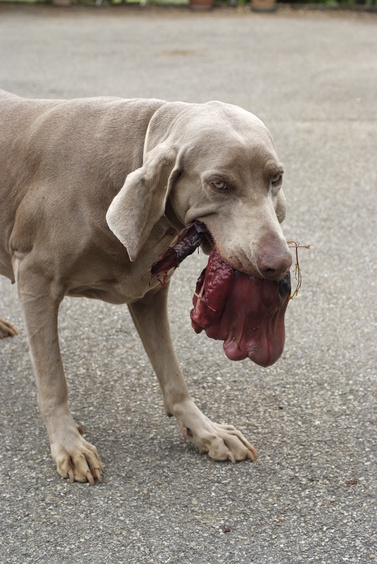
(141,201)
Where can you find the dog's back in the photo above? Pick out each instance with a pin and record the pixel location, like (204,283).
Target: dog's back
(63,161)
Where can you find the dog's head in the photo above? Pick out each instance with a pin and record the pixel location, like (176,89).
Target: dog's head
(215,163)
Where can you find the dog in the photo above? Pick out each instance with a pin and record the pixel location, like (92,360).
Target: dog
(91,192)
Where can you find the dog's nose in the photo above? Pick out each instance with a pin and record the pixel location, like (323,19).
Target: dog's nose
(274,266)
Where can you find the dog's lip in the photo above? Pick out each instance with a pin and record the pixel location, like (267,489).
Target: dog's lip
(207,234)
(208,241)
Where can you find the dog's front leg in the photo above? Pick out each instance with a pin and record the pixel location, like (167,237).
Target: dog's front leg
(222,442)
(75,458)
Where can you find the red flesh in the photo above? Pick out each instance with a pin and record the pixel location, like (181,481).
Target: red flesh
(183,245)
(245,312)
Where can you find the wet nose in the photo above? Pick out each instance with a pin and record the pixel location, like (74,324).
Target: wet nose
(274,266)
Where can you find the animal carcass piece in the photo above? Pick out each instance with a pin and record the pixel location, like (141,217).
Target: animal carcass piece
(245,312)
(186,242)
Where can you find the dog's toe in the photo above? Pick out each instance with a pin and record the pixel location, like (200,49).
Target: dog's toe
(79,463)
(7,329)
(221,442)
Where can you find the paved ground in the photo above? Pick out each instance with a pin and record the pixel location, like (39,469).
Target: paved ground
(312,494)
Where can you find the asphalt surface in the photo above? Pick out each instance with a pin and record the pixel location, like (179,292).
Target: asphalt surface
(312,494)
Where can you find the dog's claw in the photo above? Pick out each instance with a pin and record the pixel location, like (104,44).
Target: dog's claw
(7,329)
(231,457)
(252,454)
(98,474)
(90,478)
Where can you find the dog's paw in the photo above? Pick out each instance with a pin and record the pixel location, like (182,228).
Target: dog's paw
(7,329)
(77,459)
(221,442)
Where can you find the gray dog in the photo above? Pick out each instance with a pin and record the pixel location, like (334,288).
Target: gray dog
(91,192)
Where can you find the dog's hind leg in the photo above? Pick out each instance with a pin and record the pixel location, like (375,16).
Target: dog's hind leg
(7,329)
(40,298)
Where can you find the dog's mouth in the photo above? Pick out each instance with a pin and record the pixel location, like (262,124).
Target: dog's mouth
(245,312)
(207,243)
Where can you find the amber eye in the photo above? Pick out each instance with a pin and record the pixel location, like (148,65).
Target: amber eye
(219,185)
(277,180)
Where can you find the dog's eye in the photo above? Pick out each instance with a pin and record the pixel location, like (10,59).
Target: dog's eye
(219,185)
(277,180)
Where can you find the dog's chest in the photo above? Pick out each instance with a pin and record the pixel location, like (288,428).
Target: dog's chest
(108,275)
(125,287)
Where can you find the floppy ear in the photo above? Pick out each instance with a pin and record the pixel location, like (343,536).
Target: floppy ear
(141,201)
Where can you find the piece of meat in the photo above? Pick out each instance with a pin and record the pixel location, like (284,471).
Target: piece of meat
(183,245)
(213,287)
(245,312)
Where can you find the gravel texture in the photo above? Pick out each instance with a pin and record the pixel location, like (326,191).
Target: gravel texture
(312,494)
